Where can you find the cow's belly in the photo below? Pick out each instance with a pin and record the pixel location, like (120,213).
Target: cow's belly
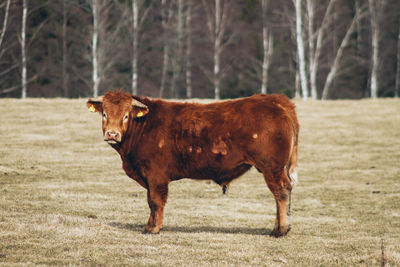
(219,175)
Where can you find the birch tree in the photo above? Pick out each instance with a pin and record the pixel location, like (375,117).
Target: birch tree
(107,46)
(375,9)
(312,62)
(23,48)
(24,44)
(358,26)
(189,90)
(267,46)
(219,28)
(300,50)
(3,32)
(139,14)
(218,19)
(135,22)
(335,65)
(315,42)
(4,27)
(177,58)
(95,38)
(297,84)
(294,59)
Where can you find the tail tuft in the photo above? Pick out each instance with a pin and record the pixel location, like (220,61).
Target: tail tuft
(224,188)
(294,178)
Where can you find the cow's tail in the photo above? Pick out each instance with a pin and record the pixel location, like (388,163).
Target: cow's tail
(292,164)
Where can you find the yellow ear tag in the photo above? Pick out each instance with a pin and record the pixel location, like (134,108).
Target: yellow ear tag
(92,109)
(139,114)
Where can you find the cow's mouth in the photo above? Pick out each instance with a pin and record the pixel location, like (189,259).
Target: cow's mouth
(111,141)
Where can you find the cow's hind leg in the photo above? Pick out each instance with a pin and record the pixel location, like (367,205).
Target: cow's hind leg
(280,186)
(156,198)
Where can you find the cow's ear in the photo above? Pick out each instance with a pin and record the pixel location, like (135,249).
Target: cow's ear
(95,104)
(140,109)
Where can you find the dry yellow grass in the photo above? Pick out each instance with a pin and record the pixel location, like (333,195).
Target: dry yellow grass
(64,199)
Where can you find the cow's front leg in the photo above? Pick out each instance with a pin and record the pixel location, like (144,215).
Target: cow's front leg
(156,197)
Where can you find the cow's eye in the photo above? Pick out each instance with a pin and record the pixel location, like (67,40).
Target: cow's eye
(126,117)
(104,116)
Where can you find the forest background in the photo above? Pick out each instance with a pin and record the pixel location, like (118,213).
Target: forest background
(323,49)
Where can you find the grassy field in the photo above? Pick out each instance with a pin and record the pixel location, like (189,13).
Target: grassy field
(64,199)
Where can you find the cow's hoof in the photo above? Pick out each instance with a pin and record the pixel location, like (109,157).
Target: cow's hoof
(153,231)
(280,231)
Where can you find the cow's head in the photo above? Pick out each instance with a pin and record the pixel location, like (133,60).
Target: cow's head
(118,110)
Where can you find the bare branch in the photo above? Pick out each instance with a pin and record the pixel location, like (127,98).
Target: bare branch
(222,26)
(231,38)
(333,72)
(207,73)
(209,19)
(37,30)
(4,72)
(78,73)
(320,32)
(11,89)
(145,13)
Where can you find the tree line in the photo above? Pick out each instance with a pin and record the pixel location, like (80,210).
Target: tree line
(323,49)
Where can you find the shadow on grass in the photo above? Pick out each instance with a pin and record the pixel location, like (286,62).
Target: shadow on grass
(196,229)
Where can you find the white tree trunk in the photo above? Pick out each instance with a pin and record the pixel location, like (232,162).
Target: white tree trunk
(267,46)
(359,38)
(164,23)
(333,71)
(189,90)
(312,62)
(316,46)
(264,8)
(375,48)
(217,44)
(374,71)
(23,47)
(139,14)
(397,85)
(217,20)
(300,50)
(268,50)
(95,37)
(4,28)
(135,19)
(164,70)
(297,85)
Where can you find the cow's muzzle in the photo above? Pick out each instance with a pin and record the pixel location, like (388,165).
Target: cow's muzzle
(112,137)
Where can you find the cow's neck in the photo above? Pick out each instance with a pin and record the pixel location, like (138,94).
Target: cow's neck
(134,133)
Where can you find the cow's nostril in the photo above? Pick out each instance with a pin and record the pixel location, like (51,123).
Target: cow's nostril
(112,135)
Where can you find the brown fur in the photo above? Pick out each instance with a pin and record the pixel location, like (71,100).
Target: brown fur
(218,141)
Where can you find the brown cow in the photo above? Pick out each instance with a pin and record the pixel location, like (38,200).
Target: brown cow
(161,141)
